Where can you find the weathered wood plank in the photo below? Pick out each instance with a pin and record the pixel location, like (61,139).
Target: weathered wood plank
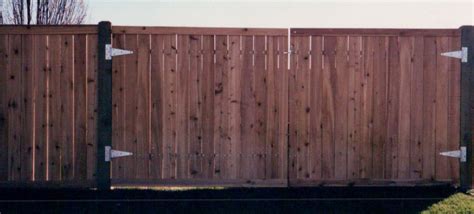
(66,108)
(315,102)
(366,108)
(80,107)
(380,106)
(328,119)
(91,87)
(441,132)
(302,47)
(340,108)
(200,31)
(353,108)
(182,111)
(169,107)
(235,102)
(47,30)
(406,55)
(260,94)
(283,103)
(195,108)
(293,114)
(221,93)
(276,126)
(416,111)
(28,113)
(4,107)
(118,103)
(391,150)
(157,88)
(207,89)
(429,107)
(248,106)
(131,106)
(453,109)
(41,107)
(142,93)
(54,144)
(271,115)
(375,32)
(15,106)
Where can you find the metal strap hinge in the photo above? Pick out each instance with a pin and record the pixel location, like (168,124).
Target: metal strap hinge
(110,52)
(461,154)
(110,153)
(461,54)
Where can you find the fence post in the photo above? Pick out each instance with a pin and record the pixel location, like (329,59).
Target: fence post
(467,106)
(104,111)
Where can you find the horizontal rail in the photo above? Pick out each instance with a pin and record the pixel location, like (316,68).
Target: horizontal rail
(48,29)
(371,182)
(79,184)
(200,31)
(375,32)
(123,183)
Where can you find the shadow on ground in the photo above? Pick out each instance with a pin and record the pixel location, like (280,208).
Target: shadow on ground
(234,200)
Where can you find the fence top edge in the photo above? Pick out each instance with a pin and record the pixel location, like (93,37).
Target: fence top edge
(48,29)
(375,31)
(199,30)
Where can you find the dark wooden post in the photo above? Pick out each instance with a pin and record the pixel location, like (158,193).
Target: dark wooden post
(104,96)
(467,105)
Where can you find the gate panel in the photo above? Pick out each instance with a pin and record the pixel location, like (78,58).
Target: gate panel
(373,105)
(200,106)
(47,105)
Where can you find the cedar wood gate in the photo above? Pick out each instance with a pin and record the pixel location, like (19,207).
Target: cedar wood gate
(234,107)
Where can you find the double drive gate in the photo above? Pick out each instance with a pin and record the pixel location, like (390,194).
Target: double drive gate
(234,107)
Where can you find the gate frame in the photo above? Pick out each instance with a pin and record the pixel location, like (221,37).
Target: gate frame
(104,126)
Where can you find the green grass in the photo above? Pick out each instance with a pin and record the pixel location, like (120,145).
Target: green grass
(457,203)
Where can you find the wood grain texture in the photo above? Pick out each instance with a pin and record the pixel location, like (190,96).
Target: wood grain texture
(375,32)
(441,121)
(92,105)
(220,106)
(80,107)
(389,105)
(199,31)
(118,103)
(47,101)
(15,107)
(66,108)
(156,85)
(47,29)
(429,107)
(4,106)
(41,107)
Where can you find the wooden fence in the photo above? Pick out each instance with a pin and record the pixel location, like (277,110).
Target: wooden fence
(47,104)
(227,106)
(203,105)
(373,104)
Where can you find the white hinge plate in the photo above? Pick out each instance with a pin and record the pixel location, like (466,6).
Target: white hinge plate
(111,154)
(461,154)
(111,52)
(462,54)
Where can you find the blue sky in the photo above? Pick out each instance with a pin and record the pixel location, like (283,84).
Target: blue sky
(296,13)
